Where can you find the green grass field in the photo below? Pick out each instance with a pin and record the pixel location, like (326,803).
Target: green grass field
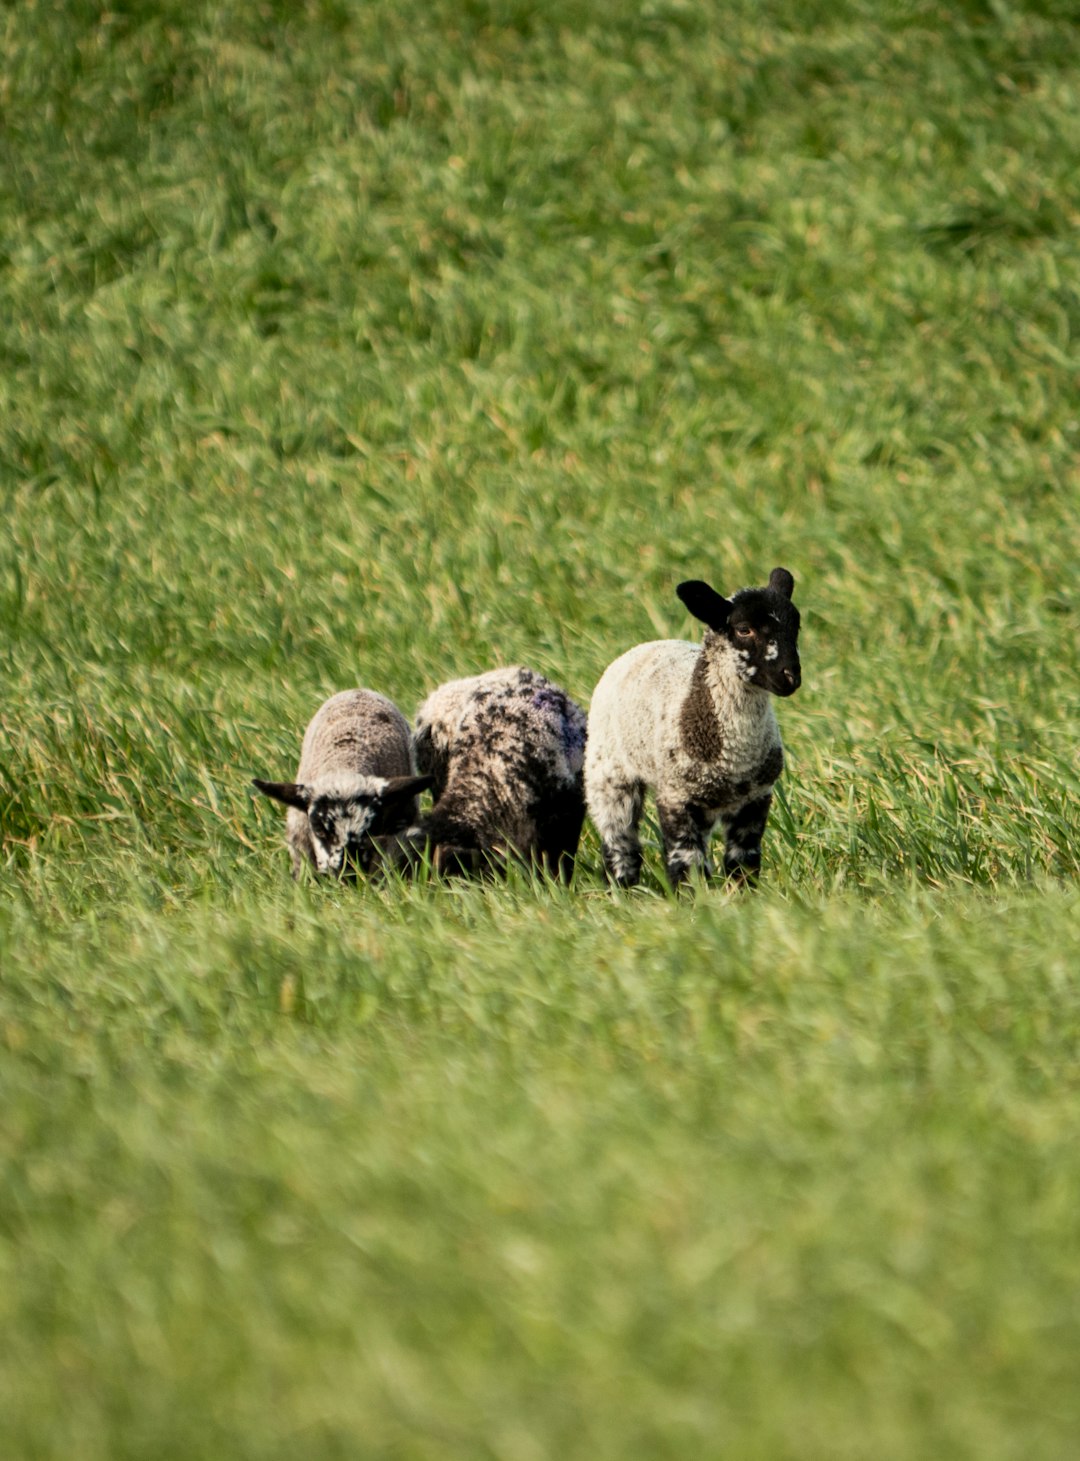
(379,343)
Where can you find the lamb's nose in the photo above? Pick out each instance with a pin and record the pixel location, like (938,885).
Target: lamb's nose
(793,678)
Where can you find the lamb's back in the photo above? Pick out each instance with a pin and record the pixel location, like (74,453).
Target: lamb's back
(633,715)
(522,725)
(500,722)
(507,749)
(356,730)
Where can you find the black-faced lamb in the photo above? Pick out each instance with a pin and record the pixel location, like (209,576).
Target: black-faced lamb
(355,781)
(504,751)
(695,725)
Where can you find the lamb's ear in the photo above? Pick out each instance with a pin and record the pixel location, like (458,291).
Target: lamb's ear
(292,793)
(403,786)
(705,603)
(781,582)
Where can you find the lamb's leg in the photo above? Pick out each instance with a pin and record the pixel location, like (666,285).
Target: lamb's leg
(685,831)
(464,862)
(397,851)
(743,832)
(558,834)
(616,809)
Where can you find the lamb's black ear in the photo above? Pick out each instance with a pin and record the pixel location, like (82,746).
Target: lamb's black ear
(704,603)
(781,582)
(402,786)
(290,792)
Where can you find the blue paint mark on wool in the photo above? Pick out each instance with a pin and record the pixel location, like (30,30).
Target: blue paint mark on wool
(553,705)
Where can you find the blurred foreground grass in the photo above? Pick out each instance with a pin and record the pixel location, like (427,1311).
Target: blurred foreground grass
(789,1179)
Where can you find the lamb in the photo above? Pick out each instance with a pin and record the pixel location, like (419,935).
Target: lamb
(355,781)
(504,752)
(695,724)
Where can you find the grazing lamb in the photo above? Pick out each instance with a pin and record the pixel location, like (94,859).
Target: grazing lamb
(695,724)
(504,752)
(355,781)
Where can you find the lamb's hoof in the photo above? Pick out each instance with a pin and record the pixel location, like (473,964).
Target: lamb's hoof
(462,862)
(627,878)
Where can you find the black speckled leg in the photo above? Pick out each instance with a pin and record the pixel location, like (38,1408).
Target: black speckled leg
(558,834)
(685,830)
(460,862)
(742,840)
(617,814)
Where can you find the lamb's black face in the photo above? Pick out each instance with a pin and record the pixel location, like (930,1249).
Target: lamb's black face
(340,828)
(763,629)
(344,816)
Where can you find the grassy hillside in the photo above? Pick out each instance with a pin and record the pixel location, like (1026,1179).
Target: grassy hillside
(374,344)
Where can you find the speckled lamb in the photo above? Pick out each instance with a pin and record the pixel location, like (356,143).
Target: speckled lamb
(504,750)
(695,725)
(355,781)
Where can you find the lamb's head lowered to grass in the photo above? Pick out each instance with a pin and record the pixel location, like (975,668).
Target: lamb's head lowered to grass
(356,781)
(761,626)
(345,811)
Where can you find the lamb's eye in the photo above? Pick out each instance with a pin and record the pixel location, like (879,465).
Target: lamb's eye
(743,631)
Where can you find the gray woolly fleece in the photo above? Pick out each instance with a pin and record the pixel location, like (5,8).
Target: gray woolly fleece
(355,746)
